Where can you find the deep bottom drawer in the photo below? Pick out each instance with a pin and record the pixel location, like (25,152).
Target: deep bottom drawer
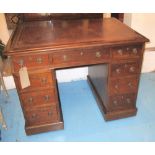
(42,115)
(123,101)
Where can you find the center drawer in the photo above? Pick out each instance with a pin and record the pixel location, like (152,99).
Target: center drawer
(43,115)
(82,55)
(38,80)
(38,98)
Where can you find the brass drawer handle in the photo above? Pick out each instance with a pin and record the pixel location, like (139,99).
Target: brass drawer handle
(98,54)
(65,57)
(134,51)
(118,70)
(81,53)
(116,86)
(34,116)
(125,65)
(128,100)
(21,62)
(49,113)
(132,69)
(127,48)
(115,102)
(46,97)
(120,52)
(130,84)
(30,100)
(43,80)
(39,60)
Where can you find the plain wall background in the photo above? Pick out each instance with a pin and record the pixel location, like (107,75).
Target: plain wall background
(144,23)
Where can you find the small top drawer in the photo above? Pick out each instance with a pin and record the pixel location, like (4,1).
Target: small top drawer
(30,61)
(38,80)
(83,55)
(42,115)
(126,52)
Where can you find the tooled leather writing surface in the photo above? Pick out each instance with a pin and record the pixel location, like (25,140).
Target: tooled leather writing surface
(66,33)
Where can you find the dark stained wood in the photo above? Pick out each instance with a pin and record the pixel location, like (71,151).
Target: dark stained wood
(13,19)
(66,34)
(39,79)
(119,16)
(98,77)
(59,16)
(45,97)
(113,52)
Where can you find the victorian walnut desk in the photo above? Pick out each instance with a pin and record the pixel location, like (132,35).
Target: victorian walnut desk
(112,51)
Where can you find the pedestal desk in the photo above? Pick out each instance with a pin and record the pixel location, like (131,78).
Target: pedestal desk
(112,51)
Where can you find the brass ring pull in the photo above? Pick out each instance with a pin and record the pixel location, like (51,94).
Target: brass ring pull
(118,70)
(134,50)
(81,53)
(120,51)
(130,84)
(34,116)
(21,62)
(64,57)
(115,102)
(127,48)
(128,100)
(49,113)
(46,97)
(132,69)
(116,86)
(98,54)
(39,60)
(30,100)
(44,80)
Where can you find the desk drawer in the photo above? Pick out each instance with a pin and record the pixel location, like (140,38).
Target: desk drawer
(122,101)
(126,52)
(38,80)
(125,69)
(42,115)
(80,55)
(30,61)
(123,85)
(38,98)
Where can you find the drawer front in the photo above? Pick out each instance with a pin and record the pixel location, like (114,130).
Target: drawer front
(38,98)
(41,116)
(122,101)
(123,85)
(80,55)
(126,52)
(125,69)
(37,81)
(30,61)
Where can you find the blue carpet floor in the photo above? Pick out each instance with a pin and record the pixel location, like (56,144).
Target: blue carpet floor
(82,118)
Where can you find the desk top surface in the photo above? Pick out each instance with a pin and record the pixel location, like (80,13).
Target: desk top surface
(55,34)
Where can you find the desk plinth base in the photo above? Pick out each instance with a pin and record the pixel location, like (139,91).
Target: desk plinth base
(112,115)
(44,128)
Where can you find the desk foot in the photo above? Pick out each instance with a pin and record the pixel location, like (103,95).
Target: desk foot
(110,115)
